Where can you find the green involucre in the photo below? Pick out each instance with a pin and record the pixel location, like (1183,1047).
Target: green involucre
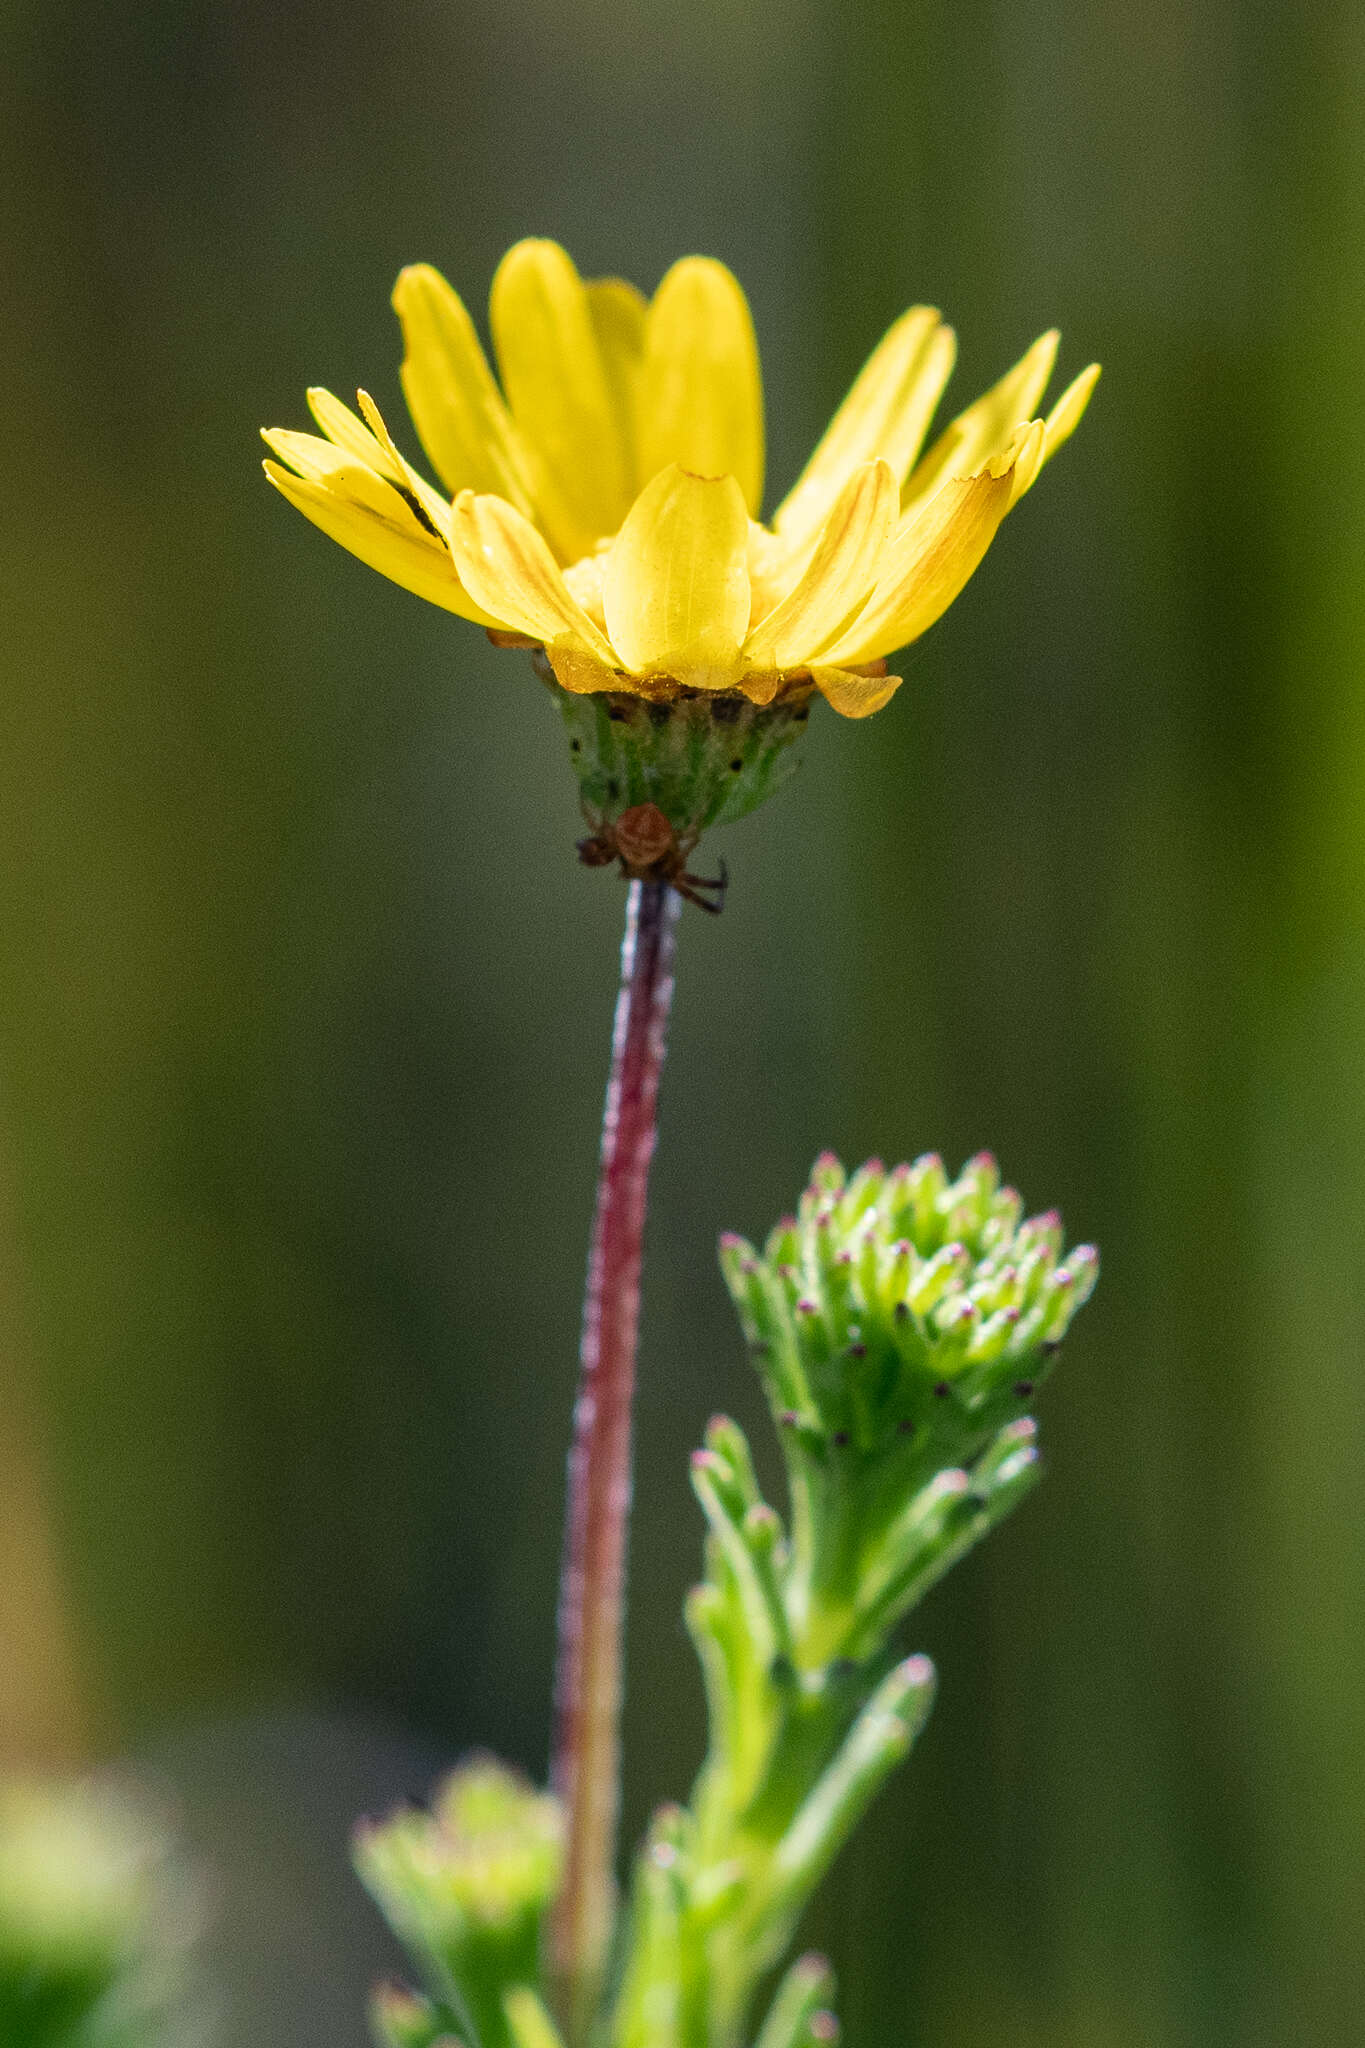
(704,759)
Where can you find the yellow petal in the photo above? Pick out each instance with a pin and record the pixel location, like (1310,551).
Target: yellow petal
(984,430)
(581,674)
(455,404)
(315,458)
(701,399)
(584,582)
(1027,458)
(761,685)
(853,695)
(375,524)
(840,573)
(619,313)
(341,426)
(431,505)
(1063,420)
(676,588)
(886,413)
(364,478)
(1065,416)
(511,572)
(931,556)
(556,384)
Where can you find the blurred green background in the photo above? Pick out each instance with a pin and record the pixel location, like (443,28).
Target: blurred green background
(304,1002)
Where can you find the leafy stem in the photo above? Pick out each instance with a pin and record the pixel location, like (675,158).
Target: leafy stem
(901,1324)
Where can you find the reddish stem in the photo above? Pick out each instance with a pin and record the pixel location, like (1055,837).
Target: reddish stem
(586,1771)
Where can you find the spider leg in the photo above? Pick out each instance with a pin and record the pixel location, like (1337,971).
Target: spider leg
(714,885)
(597,850)
(720,883)
(683,885)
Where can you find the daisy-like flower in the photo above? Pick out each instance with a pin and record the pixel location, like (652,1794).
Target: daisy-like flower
(604,503)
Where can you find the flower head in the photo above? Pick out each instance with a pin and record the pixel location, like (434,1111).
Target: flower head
(604,503)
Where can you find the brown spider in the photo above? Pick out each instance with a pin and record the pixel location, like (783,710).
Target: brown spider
(650,849)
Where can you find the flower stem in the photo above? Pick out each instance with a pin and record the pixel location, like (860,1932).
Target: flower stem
(586,1771)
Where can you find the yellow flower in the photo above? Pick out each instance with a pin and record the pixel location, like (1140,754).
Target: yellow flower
(604,503)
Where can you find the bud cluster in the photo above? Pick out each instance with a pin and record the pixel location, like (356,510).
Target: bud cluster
(901,1323)
(888,1291)
(465,1887)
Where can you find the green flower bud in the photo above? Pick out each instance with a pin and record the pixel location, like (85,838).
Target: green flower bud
(466,1886)
(900,1323)
(96,1916)
(885,1287)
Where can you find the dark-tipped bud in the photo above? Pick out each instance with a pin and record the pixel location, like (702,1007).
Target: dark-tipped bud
(887,1286)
